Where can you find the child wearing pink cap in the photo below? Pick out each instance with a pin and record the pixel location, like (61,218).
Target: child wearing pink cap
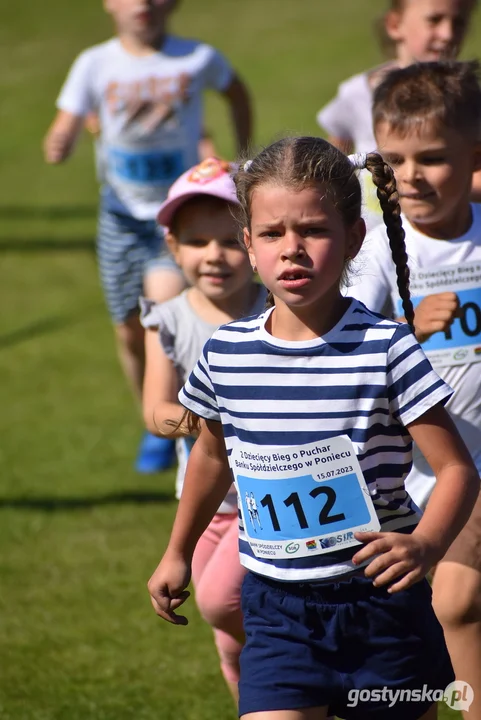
(202,235)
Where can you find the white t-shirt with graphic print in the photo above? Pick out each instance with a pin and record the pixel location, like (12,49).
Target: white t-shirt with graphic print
(436,266)
(150,111)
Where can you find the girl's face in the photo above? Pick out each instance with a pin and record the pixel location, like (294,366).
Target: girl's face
(427,30)
(206,247)
(300,244)
(433,169)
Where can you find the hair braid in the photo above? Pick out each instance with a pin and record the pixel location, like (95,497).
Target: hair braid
(383,179)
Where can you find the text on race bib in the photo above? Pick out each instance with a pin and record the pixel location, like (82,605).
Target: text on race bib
(149,168)
(460,343)
(302,500)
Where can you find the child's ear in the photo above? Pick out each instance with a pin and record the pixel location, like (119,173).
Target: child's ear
(355,238)
(392,23)
(247,242)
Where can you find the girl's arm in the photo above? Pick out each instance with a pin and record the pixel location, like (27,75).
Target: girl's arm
(62,135)
(207,480)
(160,390)
(457,487)
(457,479)
(239,101)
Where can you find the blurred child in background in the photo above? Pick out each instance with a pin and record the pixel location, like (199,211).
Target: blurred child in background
(427,119)
(203,238)
(415,31)
(146,87)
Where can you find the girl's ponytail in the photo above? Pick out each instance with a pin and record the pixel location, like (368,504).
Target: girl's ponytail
(383,179)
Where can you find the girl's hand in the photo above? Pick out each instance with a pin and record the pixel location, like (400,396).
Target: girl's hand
(435,313)
(167,588)
(407,556)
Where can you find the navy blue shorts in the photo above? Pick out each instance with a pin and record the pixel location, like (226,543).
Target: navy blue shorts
(316,645)
(127,249)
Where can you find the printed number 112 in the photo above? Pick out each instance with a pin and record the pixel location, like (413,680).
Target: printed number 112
(324,517)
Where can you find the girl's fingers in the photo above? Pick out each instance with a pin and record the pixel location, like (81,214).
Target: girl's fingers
(179,600)
(380,564)
(165,607)
(391,573)
(376,543)
(409,579)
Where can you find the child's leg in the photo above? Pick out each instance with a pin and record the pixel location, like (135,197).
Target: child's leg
(229,649)
(217,575)
(457,602)
(129,336)
(319,713)
(125,246)
(219,602)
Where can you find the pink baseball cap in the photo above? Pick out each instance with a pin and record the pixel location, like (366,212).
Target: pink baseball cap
(211,177)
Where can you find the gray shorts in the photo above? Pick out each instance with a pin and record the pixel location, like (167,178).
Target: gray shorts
(127,249)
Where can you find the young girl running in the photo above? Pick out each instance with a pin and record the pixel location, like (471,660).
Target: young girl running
(203,240)
(312,406)
(434,148)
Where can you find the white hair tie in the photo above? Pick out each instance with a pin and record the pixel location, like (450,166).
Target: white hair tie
(358,160)
(247,165)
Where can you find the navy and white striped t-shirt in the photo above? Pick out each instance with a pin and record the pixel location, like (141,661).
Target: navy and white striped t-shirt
(367,378)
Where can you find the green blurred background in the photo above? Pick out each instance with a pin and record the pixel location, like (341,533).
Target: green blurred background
(80,532)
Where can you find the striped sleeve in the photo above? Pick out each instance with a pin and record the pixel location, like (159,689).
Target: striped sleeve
(198,393)
(413,386)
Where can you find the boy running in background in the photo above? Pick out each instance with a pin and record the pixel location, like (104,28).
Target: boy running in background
(146,87)
(427,119)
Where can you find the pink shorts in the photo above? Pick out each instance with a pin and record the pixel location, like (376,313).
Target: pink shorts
(217,576)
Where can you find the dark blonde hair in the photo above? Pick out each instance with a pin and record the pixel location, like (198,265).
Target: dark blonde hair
(445,93)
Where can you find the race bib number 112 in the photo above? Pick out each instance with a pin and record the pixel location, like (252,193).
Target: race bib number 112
(302,500)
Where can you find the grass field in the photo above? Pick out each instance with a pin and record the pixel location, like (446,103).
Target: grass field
(80,532)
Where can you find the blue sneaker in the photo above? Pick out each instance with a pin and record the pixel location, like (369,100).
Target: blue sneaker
(155,454)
